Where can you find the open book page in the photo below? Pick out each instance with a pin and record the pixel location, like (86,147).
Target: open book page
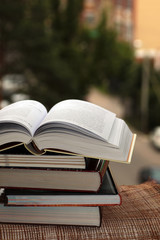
(116,132)
(28,113)
(85,116)
(90,147)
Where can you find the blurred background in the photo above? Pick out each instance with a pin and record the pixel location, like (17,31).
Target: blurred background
(103,51)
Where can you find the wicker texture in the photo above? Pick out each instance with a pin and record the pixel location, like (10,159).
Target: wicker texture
(137,218)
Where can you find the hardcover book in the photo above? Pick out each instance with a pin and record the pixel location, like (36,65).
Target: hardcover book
(107,195)
(21,157)
(42,161)
(81,216)
(71,126)
(88,179)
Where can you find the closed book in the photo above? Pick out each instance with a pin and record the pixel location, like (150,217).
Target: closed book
(107,195)
(43,161)
(88,179)
(81,216)
(21,157)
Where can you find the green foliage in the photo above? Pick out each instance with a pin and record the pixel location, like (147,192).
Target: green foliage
(11,13)
(60,58)
(111,61)
(52,54)
(47,43)
(154,99)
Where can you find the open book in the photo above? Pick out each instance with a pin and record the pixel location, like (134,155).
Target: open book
(71,126)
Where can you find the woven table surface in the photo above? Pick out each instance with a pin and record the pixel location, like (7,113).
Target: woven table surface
(137,218)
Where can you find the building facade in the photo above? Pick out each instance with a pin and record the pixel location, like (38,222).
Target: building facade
(136,21)
(147,30)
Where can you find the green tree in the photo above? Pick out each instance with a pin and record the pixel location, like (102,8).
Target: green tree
(52,53)
(154,100)
(11,13)
(111,61)
(45,38)
(59,57)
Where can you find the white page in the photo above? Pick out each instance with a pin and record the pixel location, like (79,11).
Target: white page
(83,114)
(116,132)
(28,113)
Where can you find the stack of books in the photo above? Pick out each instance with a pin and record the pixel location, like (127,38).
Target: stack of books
(54,167)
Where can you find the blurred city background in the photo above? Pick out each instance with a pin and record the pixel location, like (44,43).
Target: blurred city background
(103,51)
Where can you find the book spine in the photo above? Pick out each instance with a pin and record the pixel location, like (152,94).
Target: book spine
(102,170)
